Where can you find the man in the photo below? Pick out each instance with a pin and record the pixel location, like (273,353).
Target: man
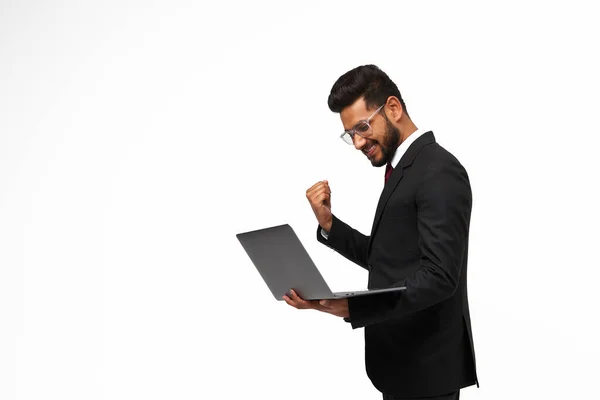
(418,342)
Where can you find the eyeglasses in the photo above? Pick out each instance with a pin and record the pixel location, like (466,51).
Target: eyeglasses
(362,128)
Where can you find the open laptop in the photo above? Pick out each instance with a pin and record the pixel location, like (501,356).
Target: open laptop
(284,264)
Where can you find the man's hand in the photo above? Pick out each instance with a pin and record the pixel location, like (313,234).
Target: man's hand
(337,307)
(319,196)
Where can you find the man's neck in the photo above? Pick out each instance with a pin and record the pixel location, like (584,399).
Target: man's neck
(405,132)
(405,144)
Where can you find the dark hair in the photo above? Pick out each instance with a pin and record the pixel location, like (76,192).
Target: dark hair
(366,81)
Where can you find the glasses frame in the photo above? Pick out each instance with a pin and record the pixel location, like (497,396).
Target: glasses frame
(352,132)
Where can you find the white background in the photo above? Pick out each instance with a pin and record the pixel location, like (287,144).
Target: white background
(137,138)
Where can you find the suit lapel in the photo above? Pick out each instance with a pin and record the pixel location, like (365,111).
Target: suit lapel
(406,160)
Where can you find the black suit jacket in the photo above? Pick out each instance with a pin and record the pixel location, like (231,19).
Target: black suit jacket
(418,342)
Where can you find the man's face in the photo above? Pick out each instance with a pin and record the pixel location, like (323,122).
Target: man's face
(382,139)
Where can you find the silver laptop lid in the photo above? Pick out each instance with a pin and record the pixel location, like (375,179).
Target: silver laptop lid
(283,262)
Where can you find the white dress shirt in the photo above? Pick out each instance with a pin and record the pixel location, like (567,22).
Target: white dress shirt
(400,151)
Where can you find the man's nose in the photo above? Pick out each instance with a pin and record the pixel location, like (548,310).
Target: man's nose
(359,141)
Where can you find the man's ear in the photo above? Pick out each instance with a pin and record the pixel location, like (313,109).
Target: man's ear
(395,109)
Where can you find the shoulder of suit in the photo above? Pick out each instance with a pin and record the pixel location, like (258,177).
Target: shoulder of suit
(434,152)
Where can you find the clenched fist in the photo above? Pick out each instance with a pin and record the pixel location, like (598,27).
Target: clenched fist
(319,196)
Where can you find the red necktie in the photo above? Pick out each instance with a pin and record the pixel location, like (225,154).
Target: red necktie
(388,171)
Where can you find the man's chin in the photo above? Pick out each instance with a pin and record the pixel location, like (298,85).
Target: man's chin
(378,159)
(378,162)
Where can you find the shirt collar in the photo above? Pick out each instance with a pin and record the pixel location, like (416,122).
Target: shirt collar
(401,150)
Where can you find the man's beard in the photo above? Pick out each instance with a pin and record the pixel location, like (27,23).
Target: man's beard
(391,141)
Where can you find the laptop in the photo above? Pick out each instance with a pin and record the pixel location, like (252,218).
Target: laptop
(284,264)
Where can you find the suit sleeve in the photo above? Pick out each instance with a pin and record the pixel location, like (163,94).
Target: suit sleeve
(347,241)
(443,213)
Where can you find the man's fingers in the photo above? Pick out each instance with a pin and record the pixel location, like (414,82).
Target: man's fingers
(315,191)
(319,194)
(324,197)
(315,185)
(324,306)
(298,300)
(328,306)
(324,183)
(338,308)
(290,302)
(316,188)
(295,296)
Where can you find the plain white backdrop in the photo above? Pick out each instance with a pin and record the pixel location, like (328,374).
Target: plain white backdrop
(137,138)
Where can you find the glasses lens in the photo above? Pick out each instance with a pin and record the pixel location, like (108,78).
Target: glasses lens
(362,127)
(347,138)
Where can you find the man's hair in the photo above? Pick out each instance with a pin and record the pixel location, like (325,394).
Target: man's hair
(366,81)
